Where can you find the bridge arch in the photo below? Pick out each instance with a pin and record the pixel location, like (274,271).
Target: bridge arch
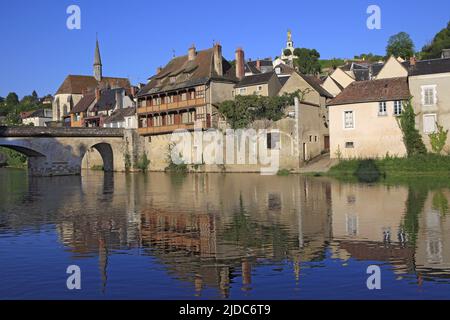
(106,152)
(26,151)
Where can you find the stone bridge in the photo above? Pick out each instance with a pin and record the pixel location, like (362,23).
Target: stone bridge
(60,151)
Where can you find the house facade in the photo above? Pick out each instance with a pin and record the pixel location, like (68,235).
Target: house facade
(38,118)
(429,83)
(264,84)
(363,119)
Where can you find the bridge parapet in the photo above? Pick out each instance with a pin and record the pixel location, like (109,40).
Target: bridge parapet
(29,131)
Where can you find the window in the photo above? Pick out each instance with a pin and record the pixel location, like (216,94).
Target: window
(243,91)
(429,95)
(382,109)
(278,70)
(273,141)
(429,123)
(349,121)
(398,108)
(173,79)
(260,88)
(349,145)
(315,138)
(310,138)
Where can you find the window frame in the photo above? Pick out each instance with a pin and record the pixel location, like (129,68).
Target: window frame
(424,89)
(382,105)
(353,120)
(396,105)
(434,115)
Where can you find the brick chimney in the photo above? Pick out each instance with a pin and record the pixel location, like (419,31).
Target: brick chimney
(192,53)
(218,67)
(258,64)
(412,61)
(240,69)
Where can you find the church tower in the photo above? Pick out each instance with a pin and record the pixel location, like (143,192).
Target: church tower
(97,63)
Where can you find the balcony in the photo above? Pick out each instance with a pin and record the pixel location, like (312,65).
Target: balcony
(172,106)
(170,128)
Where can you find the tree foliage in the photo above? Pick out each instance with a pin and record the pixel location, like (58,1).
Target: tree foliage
(400,45)
(11,107)
(411,136)
(370,57)
(441,41)
(438,139)
(244,110)
(307,61)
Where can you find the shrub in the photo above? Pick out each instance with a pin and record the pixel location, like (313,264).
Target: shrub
(438,139)
(143,163)
(367,171)
(411,136)
(283,172)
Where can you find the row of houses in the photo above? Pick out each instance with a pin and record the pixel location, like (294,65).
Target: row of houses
(349,113)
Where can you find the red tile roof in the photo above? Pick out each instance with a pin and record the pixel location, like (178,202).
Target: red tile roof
(373,91)
(74,84)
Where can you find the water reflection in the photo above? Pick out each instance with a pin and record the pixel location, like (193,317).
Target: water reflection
(225,234)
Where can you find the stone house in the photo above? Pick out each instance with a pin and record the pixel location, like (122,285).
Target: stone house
(264,84)
(38,118)
(429,83)
(363,120)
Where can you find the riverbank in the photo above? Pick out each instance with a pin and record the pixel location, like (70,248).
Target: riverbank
(391,167)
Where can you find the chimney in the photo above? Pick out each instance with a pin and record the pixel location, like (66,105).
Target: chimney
(192,53)
(412,61)
(258,64)
(133,90)
(97,94)
(218,67)
(240,70)
(119,99)
(158,70)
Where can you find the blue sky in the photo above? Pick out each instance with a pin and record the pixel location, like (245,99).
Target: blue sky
(136,36)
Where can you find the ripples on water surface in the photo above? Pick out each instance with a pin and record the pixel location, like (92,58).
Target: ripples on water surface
(238,236)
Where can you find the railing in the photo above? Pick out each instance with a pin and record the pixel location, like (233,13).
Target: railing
(172,106)
(170,128)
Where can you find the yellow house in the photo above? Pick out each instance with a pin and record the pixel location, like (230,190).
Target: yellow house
(363,119)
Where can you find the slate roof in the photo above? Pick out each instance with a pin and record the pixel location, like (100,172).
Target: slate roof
(424,67)
(256,79)
(189,73)
(84,103)
(373,91)
(75,84)
(249,67)
(120,114)
(107,100)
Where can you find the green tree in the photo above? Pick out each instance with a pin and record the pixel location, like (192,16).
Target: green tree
(400,45)
(308,61)
(441,41)
(244,110)
(411,136)
(12,99)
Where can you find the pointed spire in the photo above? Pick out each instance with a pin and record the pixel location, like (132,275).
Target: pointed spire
(97,58)
(97,62)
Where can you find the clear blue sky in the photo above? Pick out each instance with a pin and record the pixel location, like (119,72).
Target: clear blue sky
(136,36)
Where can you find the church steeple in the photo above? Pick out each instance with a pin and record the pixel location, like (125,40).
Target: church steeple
(97,63)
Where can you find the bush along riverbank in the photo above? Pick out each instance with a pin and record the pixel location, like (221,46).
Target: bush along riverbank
(11,158)
(370,170)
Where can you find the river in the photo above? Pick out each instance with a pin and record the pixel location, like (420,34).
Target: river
(221,236)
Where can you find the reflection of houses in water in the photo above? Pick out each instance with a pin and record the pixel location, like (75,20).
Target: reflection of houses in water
(256,221)
(404,226)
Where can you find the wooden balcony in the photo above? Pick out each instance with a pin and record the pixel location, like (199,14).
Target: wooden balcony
(169,128)
(172,106)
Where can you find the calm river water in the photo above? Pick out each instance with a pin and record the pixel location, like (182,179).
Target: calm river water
(234,236)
